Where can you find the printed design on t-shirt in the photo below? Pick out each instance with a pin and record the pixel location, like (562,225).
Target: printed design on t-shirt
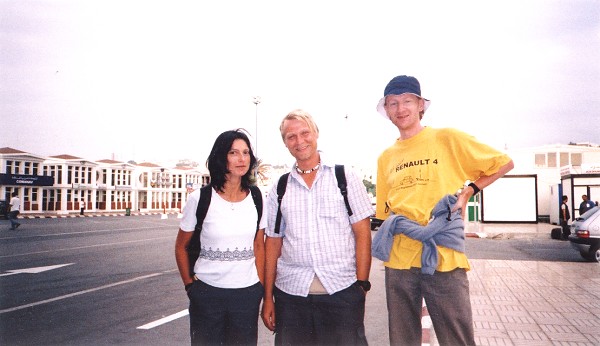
(409,180)
(422,162)
(226,255)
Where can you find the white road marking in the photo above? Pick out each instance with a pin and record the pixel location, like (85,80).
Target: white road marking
(21,307)
(165,320)
(426,322)
(35,270)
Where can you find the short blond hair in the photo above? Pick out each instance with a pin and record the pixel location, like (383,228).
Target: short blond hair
(299,114)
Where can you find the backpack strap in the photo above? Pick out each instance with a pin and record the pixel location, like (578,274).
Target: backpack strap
(340,175)
(258,203)
(202,209)
(193,249)
(281,186)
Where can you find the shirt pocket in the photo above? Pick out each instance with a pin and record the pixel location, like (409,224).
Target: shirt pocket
(332,212)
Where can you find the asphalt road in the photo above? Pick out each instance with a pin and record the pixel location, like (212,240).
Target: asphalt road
(113,281)
(117,274)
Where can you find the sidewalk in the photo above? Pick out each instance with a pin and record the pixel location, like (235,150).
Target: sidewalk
(90,214)
(508,230)
(535,303)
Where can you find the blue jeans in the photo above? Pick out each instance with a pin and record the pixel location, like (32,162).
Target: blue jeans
(447,297)
(12,217)
(224,316)
(321,319)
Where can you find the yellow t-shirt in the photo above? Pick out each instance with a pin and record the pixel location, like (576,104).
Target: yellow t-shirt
(412,176)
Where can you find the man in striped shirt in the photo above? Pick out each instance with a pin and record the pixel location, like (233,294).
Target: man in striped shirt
(317,266)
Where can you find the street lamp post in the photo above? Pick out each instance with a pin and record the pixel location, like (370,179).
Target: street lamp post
(256,102)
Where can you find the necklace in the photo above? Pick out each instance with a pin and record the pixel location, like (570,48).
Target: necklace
(308,171)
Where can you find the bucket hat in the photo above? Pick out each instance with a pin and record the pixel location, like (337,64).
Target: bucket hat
(401,85)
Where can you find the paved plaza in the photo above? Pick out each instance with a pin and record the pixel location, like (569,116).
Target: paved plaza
(535,303)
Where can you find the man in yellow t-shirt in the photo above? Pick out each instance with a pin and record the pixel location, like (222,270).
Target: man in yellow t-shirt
(413,174)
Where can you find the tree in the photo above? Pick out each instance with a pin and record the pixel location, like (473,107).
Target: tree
(262,171)
(370,186)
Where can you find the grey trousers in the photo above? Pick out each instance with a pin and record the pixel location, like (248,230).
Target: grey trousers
(446,296)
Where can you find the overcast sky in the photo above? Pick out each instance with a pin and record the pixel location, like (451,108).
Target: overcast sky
(159,80)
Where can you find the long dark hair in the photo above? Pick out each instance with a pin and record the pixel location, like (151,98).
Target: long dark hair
(217,160)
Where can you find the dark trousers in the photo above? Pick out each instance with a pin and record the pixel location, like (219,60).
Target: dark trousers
(566,230)
(221,316)
(12,217)
(321,319)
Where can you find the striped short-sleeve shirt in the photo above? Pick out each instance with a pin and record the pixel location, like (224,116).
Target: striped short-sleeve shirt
(316,230)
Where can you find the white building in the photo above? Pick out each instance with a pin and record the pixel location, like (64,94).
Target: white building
(67,184)
(550,163)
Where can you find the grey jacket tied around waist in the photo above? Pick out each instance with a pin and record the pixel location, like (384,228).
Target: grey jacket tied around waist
(445,228)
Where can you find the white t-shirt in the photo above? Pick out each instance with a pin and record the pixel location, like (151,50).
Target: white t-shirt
(15,204)
(227,240)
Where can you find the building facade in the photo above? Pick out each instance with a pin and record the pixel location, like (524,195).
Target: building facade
(67,184)
(550,163)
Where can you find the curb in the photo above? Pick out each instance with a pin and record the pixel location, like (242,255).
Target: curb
(503,236)
(38,216)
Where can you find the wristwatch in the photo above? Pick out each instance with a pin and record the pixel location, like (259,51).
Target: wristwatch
(364,284)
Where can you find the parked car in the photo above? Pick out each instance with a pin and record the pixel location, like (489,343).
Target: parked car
(375,222)
(585,234)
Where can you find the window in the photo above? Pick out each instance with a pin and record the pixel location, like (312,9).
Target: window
(564,159)
(576,159)
(552,160)
(59,175)
(540,160)
(69,175)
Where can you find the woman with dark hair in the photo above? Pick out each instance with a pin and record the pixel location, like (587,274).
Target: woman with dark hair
(226,286)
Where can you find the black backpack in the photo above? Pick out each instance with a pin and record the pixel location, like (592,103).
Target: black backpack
(193,249)
(340,175)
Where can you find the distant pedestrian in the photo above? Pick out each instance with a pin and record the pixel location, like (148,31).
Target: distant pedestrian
(585,205)
(15,207)
(564,218)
